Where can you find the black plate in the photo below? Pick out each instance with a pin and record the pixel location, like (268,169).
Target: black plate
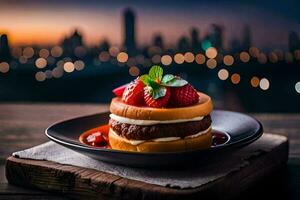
(241,129)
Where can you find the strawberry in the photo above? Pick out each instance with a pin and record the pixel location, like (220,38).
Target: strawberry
(134,93)
(158,102)
(119,90)
(184,96)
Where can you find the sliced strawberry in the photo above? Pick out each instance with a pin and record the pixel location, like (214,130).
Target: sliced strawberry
(183,96)
(134,93)
(120,90)
(157,103)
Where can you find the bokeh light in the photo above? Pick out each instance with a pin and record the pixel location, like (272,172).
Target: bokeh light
(297,54)
(28,52)
(254,81)
(44,53)
(211,63)
(80,51)
(189,57)
(228,60)
(235,78)
(156,59)
(273,57)
(254,52)
(205,44)
(200,59)
(122,57)
(297,87)
(288,56)
(179,58)
(211,52)
(23,60)
(223,74)
(79,65)
(56,51)
(40,76)
(104,56)
(48,74)
(16,52)
(262,58)
(41,63)
(113,51)
(4,67)
(264,84)
(244,57)
(69,67)
(57,72)
(134,71)
(166,60)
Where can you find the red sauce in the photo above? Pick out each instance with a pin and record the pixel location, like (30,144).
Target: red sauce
(98,137)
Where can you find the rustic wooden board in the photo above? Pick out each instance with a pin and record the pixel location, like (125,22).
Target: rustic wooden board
(77,182)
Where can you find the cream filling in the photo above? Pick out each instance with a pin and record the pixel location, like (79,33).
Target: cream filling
(165,139)
(151,122)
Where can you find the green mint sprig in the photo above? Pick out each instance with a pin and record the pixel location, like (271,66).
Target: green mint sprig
(156,83)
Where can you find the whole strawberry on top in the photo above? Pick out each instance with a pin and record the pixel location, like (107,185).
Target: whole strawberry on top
(157,90)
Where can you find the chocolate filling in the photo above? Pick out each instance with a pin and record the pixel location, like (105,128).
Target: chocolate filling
(137,132)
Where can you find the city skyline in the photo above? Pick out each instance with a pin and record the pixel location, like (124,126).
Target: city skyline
(44,27)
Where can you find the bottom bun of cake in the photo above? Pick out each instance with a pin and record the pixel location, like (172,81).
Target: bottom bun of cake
(202,141)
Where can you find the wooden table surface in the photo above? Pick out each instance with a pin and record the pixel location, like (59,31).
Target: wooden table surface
(22,126)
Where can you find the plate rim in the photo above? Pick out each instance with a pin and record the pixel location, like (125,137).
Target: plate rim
(79,145)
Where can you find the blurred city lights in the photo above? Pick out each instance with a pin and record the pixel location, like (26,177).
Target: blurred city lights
(228,60)
(4,67)
(57,72)
(200,59)
(79,65)
(235,78)
(122,57)
(44,53)
(113,51)
(205,44)
(211,52)
(254,52)
(17,52)
(104,56)
(140,59)
(23,60)
(41,63)
(288,57)
(297,87)
(40,76)
(56,51)
(131,61)
(223,74)
(262,58)
(69,67)
(244,57)
(297,54)
(156,59)
(166,60)
(28,52)
(211,63)
(134,71)
(189,57)
(254,81)
(48,74)
(179,58)
(264,84)
(273,57)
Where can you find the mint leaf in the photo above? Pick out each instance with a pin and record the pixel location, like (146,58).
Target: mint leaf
(167,78)
(175,82)
(145,79)
(156,72)
(159,92)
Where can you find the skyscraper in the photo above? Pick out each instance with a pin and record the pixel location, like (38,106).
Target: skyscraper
(216,36)
(158,41)
(129,30)
(246,43)
(4,48)
(195,39)
(294,41)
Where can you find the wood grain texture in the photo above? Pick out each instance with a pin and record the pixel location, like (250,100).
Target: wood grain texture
(22,126)
(77,182)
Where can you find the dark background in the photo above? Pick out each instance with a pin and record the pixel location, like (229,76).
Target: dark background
(245,54)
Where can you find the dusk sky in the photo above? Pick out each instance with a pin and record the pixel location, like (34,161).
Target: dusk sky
(47,22)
